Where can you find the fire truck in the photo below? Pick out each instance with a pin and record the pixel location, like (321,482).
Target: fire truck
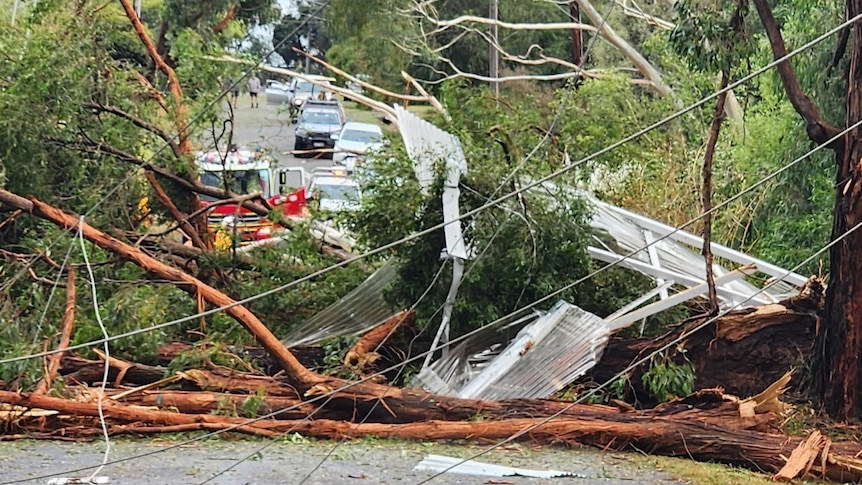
(246,172)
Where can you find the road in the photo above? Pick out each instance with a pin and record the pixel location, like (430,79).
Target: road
(289,460)
(268,127)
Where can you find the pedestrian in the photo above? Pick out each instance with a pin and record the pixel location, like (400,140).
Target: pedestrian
(254,89)
(232,90)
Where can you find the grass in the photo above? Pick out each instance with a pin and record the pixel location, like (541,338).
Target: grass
(700,473)
(362,114)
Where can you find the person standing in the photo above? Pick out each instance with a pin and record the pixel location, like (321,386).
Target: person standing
(254,89)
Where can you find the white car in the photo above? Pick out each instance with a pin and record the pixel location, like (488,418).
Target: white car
(334,190)
(355,140)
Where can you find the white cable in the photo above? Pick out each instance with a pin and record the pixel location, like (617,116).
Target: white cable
(491,203)
(107,372)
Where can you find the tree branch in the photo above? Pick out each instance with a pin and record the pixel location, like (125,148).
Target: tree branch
(140,123)
(226,20)
(296,372)
(181,219)
(180,110)
(65,337)
(818,130)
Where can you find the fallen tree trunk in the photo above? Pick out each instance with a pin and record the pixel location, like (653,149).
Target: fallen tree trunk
(672,433)
(743,351)
(184,281)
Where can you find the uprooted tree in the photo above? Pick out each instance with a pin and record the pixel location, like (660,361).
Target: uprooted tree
(90,136)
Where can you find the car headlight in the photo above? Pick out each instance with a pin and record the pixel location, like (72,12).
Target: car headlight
(334,136)
(297,102)
(301,131)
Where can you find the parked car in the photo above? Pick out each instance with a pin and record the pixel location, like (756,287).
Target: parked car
(277,92)
(333,190)
(323,104)
(318,127)
(354,141)
(303,90)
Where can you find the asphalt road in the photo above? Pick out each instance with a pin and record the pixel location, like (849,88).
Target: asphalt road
(268,127)
(291,460)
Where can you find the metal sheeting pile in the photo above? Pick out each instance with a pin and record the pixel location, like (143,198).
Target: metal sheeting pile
(356,313)
(546,355)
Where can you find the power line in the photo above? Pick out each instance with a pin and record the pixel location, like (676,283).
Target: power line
(533,304)
(164,146)
(477,210)
(642,360)
(331,394)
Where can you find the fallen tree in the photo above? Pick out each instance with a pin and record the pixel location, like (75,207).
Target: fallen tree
(707,425)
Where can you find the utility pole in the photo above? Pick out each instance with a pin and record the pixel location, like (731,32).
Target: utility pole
(493,53)
(308,47)
(577,39)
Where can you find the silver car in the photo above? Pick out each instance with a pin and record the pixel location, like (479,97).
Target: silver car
(277,92)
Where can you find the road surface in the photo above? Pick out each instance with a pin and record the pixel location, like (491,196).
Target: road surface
(268,127)
(289,460)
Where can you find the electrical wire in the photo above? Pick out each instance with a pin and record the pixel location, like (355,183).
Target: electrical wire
(198,117)
(472,212)
(275,413)
(642,360)
(457,339)
(101,394)
(53,292)
(311,414)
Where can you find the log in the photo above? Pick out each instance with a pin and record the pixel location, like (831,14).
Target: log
(743,352)
(364,351)
(670,435)
(77,369)
(65,336)
(200,402)
(405,405)
(184,281)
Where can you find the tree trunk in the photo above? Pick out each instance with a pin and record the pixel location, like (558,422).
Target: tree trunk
(836,365)
(839,341)
(295,371)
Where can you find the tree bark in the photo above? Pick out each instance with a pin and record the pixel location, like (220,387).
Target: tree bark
(295,371)
(837,360)
(676,432)
(65,337)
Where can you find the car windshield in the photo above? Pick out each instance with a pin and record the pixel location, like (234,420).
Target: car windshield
(306,87)
(361,136)
(242,182)
(337,192)
(320,117)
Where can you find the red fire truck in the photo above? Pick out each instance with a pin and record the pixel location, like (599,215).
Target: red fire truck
(246,172)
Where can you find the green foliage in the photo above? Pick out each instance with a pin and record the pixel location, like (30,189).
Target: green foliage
(524,249)
(667,379)
(253,405)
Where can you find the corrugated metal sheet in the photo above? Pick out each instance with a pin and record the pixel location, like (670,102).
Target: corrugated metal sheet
(356,313)
(428,147)
(547,354)
(439,463)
